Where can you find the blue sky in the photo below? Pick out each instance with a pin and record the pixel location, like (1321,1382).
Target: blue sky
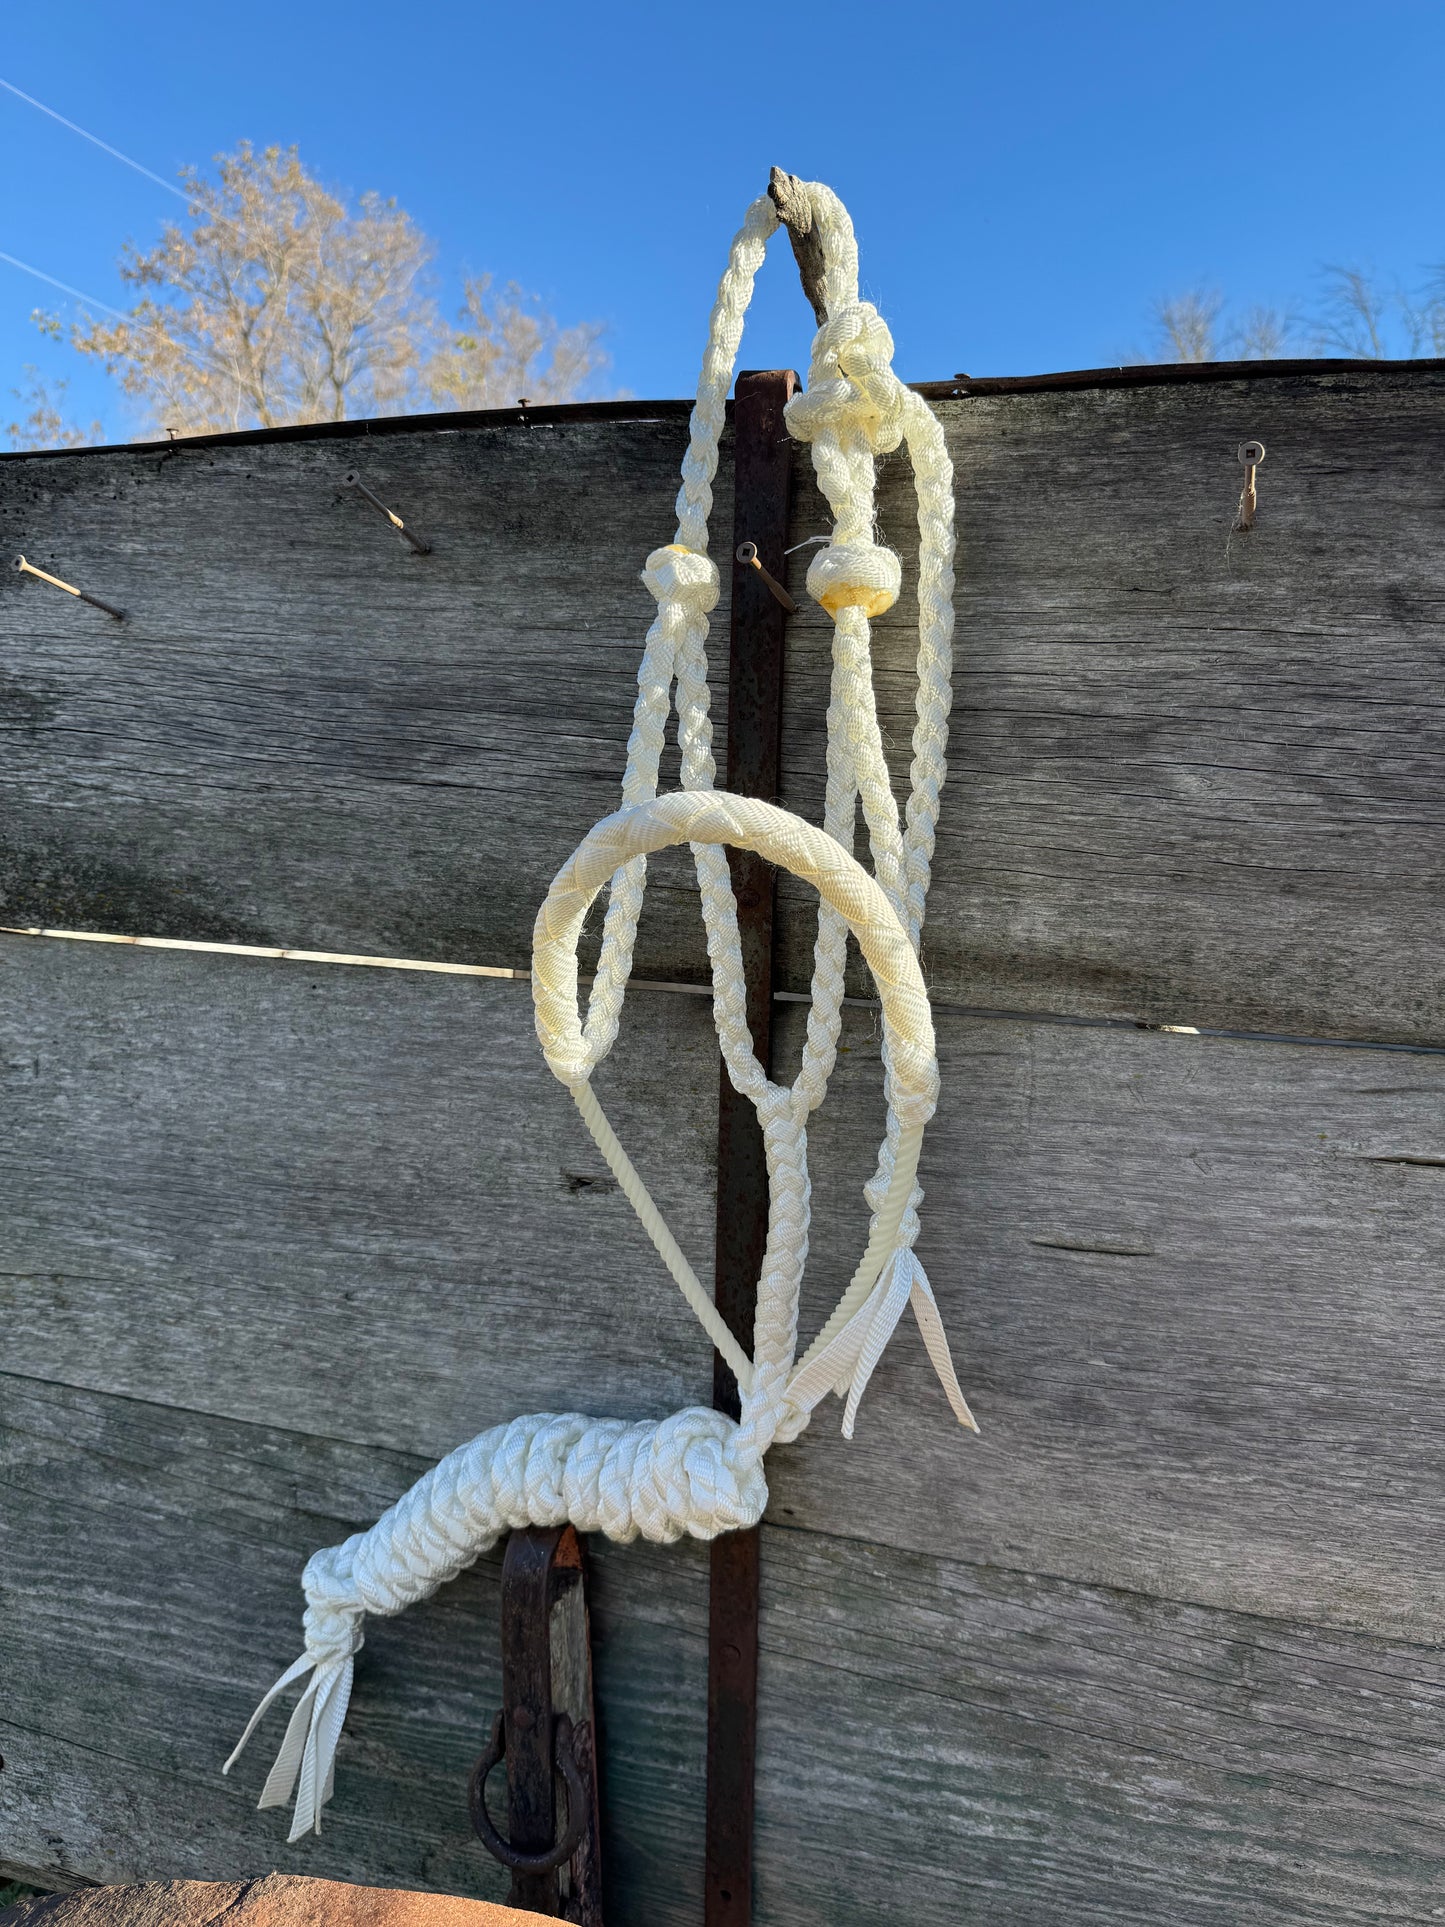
(1027,179)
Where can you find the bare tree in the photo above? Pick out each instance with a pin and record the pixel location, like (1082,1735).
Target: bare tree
(1188,325)
(1264,334)
(507,347)
(1354,316)
(276,302)
(44,422)
(1425,318)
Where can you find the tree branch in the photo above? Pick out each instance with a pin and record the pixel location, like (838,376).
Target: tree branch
(786,193)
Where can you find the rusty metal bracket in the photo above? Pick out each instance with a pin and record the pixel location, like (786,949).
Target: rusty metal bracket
(762,468)
(567,1763)
(545,1732)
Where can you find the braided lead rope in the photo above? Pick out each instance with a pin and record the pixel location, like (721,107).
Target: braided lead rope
(697,1472)
(854,408)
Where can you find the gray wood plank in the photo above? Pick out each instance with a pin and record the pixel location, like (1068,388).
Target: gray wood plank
(355,1201)
(939,1740)
(1192,775)
(149,1592)
(1193,1290)
(944,1742)
(305,735)
(1192,1287)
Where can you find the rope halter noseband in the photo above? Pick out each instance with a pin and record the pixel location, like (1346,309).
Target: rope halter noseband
(697,1472)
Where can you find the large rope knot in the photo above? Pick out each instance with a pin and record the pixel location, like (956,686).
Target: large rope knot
(852,390)
(680,575)
(699,1477)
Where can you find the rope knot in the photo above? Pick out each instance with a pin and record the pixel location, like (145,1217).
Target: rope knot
(333,1618)
(866,359)
(698,1477)
(855,575)
(855,334)
(853,387)
(681,575)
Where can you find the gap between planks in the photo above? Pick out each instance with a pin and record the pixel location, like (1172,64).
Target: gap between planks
(275,954)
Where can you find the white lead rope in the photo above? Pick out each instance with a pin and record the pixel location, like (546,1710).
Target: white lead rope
(698,1472)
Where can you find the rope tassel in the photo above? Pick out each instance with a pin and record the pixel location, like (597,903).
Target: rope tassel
(309,1747)
(698,1473)
(846,1363)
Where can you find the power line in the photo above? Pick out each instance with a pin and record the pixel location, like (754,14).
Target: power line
(94,139)
(189,201)
(206,367)
(129,321)
(65,288)
(318,285)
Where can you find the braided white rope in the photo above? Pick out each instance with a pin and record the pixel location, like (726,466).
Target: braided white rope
(697,1472)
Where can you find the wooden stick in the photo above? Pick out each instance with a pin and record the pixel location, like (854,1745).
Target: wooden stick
(786,193)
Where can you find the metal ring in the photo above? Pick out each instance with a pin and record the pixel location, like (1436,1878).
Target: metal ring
(1251,454)
(747,551)
(500,1849)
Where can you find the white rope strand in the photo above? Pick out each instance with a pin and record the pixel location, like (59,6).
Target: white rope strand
(653,1223)
(697,1472)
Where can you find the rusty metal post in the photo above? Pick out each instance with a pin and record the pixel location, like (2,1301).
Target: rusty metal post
(762,459)
(545,1730)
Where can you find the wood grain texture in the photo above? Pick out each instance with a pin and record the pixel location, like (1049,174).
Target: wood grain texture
(306,735)
(1160,1646)
(1192,1284)
(353,1202)
(1193,778)
(1191,775)
(939,1740)
(1192,1290)
(943,1742)
(149,1592)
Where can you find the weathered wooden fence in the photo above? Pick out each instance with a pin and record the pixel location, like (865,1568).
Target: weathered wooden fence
(1163,1645)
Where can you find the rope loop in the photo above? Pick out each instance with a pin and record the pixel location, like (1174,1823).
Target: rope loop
(696,1472)
(790,842)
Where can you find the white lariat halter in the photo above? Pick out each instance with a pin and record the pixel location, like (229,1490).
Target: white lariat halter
(698,1472)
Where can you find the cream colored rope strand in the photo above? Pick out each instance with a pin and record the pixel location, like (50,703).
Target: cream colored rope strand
(697,1472)
(655,1225)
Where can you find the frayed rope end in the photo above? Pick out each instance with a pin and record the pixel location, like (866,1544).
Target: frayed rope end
(846,1364)
(308,1750)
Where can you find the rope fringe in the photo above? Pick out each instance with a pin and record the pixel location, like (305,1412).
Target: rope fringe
(697,1472)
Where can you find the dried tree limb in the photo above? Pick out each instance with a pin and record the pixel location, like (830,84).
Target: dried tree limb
(786,193)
